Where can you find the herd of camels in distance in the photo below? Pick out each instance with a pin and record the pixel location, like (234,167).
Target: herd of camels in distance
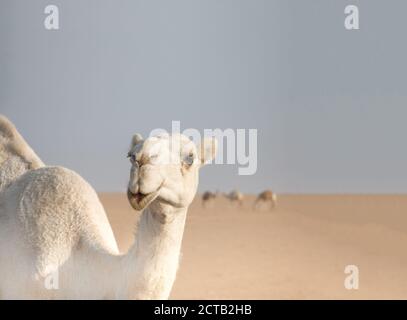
(266,198)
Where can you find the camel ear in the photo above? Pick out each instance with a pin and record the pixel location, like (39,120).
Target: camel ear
(207,150)
(137,138)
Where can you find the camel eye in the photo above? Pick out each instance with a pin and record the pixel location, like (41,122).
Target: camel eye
(132,158)
(189,159)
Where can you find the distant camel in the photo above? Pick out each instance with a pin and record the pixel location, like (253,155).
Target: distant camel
(236,196)
(266,196)
(207,197)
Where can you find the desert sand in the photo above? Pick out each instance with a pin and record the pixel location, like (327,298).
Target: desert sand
(297,251)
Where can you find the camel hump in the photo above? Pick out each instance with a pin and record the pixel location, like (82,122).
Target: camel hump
(13,144)
(7,129)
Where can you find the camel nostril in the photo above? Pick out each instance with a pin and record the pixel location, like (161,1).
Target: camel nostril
(133,188)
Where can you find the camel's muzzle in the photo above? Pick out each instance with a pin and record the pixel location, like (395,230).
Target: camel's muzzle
(139,201)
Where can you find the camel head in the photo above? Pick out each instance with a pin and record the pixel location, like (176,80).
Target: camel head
(164,170)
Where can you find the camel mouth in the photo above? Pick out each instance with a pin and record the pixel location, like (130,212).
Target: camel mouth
(140,201)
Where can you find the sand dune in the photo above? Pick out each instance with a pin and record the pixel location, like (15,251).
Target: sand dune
(297,251)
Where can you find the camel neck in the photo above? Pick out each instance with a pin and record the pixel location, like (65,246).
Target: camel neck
(152,262)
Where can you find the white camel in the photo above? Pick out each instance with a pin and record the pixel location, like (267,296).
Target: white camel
(265,197)
(53,226)
(235,196)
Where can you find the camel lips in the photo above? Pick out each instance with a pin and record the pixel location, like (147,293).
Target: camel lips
(139,201)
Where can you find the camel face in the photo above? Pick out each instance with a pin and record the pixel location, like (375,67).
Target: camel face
(164,170)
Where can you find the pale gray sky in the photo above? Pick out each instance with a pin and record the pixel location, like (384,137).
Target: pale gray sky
(329,104)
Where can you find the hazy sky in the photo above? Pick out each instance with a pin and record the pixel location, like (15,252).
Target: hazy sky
(329,104)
